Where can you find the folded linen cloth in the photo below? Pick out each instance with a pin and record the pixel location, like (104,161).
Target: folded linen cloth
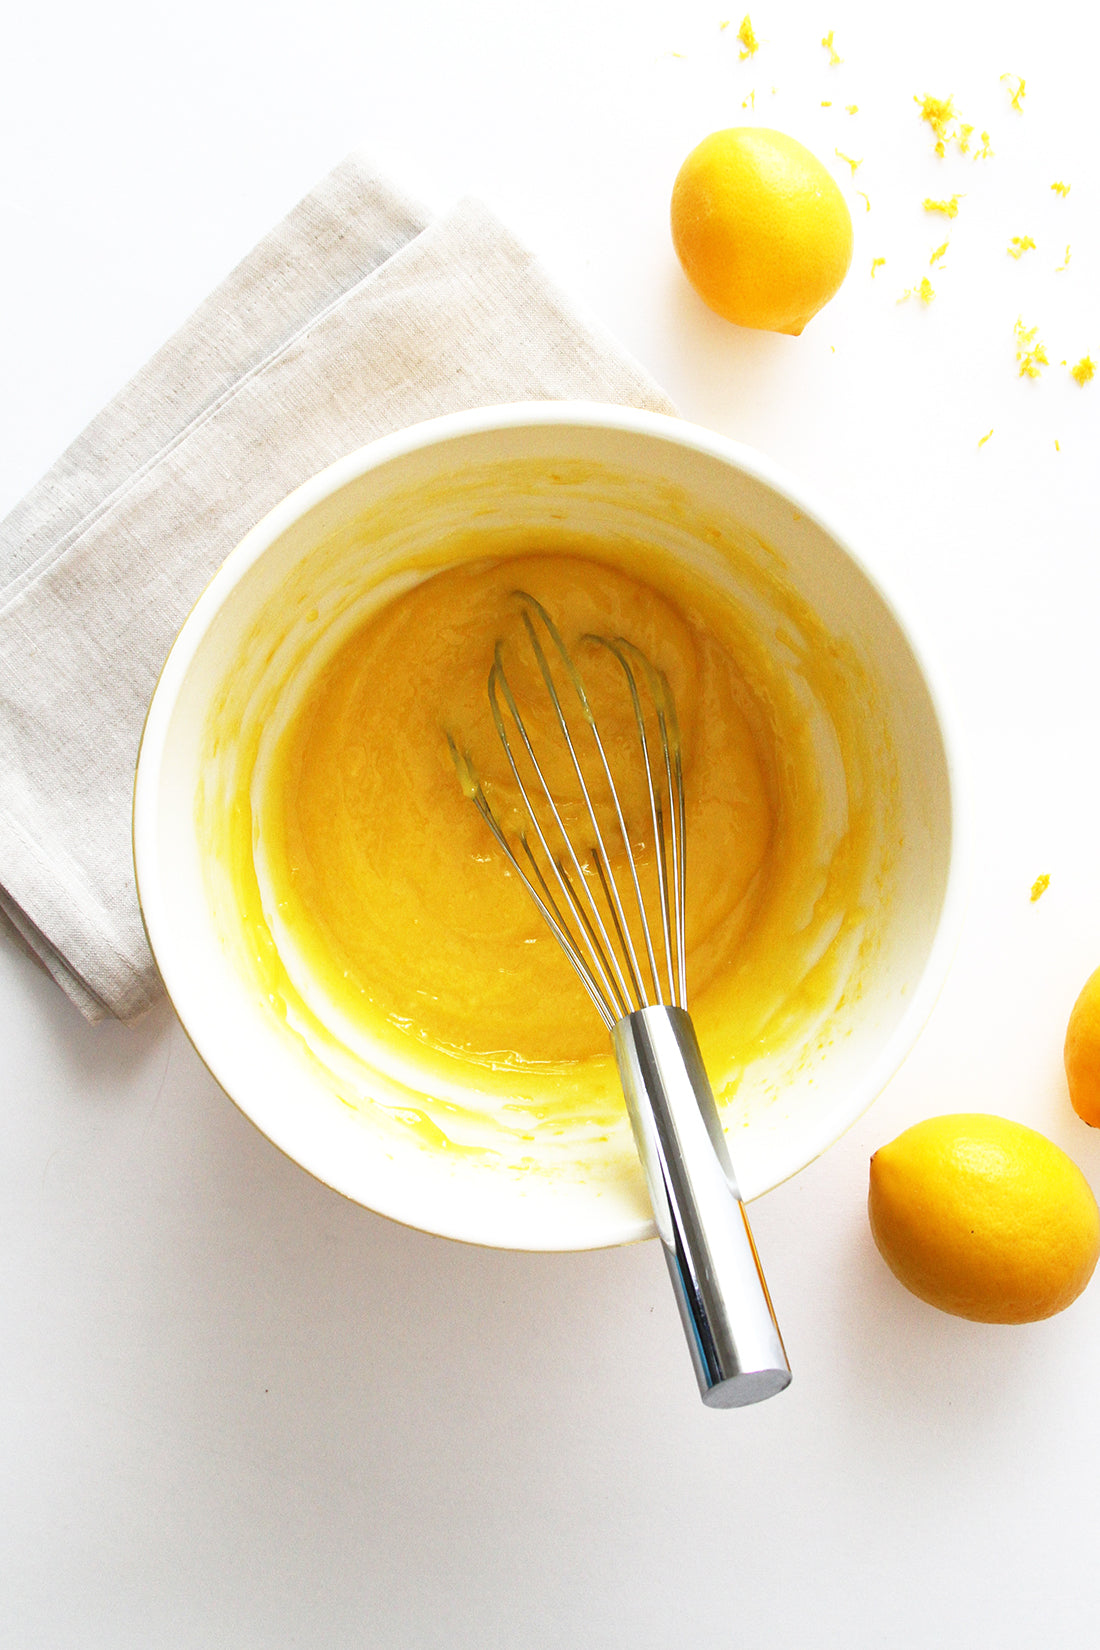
(354,317)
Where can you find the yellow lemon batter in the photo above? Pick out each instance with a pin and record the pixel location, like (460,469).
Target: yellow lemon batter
(390,880)
(383,923)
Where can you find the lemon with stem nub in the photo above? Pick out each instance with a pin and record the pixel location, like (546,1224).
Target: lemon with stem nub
(984,1218)
(1082,1052)
(761,229)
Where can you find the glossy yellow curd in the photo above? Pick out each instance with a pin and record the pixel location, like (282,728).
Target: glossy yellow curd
(383,922)
(390,880)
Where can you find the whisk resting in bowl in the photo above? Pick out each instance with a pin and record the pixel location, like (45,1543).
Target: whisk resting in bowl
(619,916)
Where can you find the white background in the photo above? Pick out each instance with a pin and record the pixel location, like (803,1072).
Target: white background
(240,1412)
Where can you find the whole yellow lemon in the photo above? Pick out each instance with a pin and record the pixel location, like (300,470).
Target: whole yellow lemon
(984,1218)
(1082,1052)
(760,227)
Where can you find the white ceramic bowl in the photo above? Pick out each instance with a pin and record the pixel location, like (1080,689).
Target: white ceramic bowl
(602,468)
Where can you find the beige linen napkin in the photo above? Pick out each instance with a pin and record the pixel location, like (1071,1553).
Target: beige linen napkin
(354,317)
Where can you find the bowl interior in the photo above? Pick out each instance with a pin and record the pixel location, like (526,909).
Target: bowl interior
(350,539)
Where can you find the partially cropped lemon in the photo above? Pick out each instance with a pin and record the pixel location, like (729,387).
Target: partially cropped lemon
(760,227)
(1082,1052)
(984,1218)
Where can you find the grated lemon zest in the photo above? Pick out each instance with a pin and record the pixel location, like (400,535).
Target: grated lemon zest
(1063,266)
(939,112)
(1062,189)
(1020,244)
(866,200)
(827,42)
(1031,355)
(854,164)
(1041,884)
(949,208)
(747,36)
(852,108)
(1016,97)
(985,438)
(1084,370)
(750,101)
(876,263)
(925,292)
(938,254)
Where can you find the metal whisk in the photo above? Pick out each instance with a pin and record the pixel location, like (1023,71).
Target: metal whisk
(620,921)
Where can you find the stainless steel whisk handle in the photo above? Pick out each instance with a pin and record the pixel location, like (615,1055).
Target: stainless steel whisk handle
(724,1303)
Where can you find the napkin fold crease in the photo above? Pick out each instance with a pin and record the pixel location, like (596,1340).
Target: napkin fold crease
(354,317)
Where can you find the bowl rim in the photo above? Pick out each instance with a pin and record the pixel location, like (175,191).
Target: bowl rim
(439,431)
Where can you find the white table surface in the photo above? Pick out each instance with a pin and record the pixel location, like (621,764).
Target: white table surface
(239,1412)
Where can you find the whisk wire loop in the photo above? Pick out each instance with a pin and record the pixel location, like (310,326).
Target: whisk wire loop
(658,686)
(603,859)
(537,887)
(603,965)
(499,688)
(613,953)
(674,769)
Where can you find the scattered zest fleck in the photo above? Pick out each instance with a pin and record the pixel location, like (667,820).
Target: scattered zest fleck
(852,108)
(1031,355)
(949,208)
(866,199)
(827,103)
(1016,95)
(1019,244)
(1063,266)
(840,155)
(925,292)
(876,263)
(938,254)
(985,438)
(1084,370)
(1062,189)
(747,36)
(1057,445)
(827,42)
(750,101)
(985,152)
(939,112)
(1041,884)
